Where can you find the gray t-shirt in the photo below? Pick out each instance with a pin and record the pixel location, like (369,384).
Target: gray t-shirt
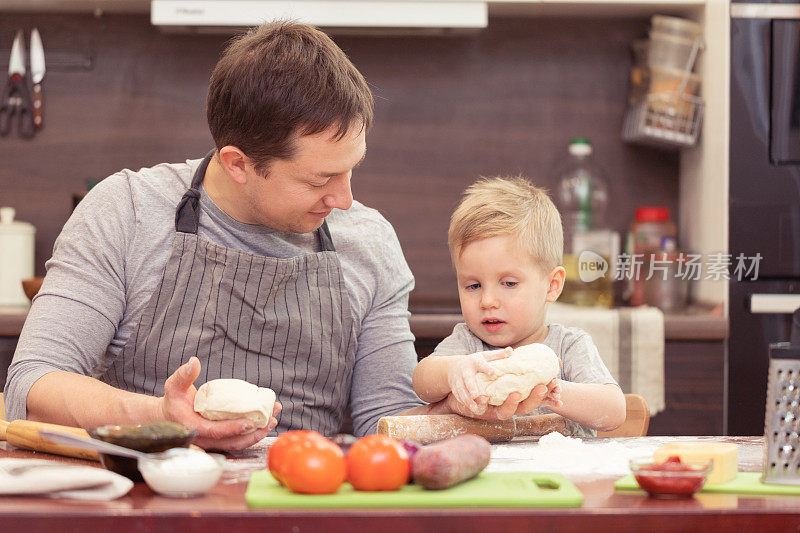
(580,360)
(111,254)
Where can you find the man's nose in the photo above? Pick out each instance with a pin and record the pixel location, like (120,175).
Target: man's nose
(341,196)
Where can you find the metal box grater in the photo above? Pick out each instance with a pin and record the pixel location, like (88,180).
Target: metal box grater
(782,417)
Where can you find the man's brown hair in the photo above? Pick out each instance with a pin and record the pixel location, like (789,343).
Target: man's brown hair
(280,80)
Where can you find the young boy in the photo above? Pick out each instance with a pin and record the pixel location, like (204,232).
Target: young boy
(506,244)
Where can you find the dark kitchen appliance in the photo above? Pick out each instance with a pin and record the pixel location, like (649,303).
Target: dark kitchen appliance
(764,200)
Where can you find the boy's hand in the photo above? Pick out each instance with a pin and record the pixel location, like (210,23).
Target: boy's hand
(491,412)
(542,396)
(553,396)
(461,378)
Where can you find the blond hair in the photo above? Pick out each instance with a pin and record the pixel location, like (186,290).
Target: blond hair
(509,206)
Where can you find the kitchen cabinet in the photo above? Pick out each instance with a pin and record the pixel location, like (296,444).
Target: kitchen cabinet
(703,196)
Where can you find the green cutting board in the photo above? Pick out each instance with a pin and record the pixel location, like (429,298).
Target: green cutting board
(489,489)
(744,483)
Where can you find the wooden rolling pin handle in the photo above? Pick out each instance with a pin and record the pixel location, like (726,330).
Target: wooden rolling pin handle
(25,434)
(531,425)
(431,428)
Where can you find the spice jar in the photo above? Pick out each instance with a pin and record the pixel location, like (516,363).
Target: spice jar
(667,288)
(652,226)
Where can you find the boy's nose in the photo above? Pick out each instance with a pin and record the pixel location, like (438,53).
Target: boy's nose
(488,300)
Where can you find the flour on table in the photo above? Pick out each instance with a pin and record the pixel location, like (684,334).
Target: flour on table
(240,465)
(570,456)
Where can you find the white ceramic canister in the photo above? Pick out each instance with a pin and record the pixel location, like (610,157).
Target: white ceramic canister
(16,257)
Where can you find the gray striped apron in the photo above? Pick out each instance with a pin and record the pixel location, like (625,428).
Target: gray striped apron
(280,323)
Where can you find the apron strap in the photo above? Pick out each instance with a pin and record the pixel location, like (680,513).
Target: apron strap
(324,236)
(187,215)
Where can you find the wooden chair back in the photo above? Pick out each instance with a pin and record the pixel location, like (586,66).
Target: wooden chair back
(637,419)
(2,408)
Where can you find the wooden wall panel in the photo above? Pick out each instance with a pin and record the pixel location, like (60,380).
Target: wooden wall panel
(694,389)
(449,109)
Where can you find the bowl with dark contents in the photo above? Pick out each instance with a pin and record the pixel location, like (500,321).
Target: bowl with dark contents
(149,438)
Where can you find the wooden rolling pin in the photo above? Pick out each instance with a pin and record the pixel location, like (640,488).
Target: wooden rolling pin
(431,428)
(25,434)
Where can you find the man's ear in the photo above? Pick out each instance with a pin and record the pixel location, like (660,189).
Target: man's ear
(557,276)
(236,164)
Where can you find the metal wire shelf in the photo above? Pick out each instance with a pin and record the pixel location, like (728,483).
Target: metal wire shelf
(666,120)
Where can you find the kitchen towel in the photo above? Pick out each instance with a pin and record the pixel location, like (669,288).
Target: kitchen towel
(54,479)
(630,341)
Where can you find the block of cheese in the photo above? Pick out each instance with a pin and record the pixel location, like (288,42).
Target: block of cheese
(724,454)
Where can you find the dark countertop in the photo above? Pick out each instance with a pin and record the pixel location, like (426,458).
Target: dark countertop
(697,323)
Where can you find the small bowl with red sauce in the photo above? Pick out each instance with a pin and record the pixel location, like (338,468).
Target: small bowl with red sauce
(670,479)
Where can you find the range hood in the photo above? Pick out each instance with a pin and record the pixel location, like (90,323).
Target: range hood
(323,13)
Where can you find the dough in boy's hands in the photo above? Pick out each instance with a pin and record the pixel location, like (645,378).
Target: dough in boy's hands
(526,367)
(226,399)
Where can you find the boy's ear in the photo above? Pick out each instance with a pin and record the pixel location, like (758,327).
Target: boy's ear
(235,163)
(557,277)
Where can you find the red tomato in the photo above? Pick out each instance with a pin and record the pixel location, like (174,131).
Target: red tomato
(314,466)
(276,456)
(378,462)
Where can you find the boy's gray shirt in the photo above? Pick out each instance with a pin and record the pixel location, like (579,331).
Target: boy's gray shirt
(580,360)
(111,255)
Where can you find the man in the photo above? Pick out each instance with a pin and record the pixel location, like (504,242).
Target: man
(253,263)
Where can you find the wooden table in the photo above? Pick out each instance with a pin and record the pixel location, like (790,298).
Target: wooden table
(224,509)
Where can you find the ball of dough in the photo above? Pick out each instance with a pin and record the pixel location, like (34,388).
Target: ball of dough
(526,367)
(226,399)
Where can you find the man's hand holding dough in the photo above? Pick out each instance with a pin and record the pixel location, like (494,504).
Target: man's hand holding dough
(177,405)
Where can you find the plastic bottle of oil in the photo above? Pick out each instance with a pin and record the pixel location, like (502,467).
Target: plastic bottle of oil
(589,247)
